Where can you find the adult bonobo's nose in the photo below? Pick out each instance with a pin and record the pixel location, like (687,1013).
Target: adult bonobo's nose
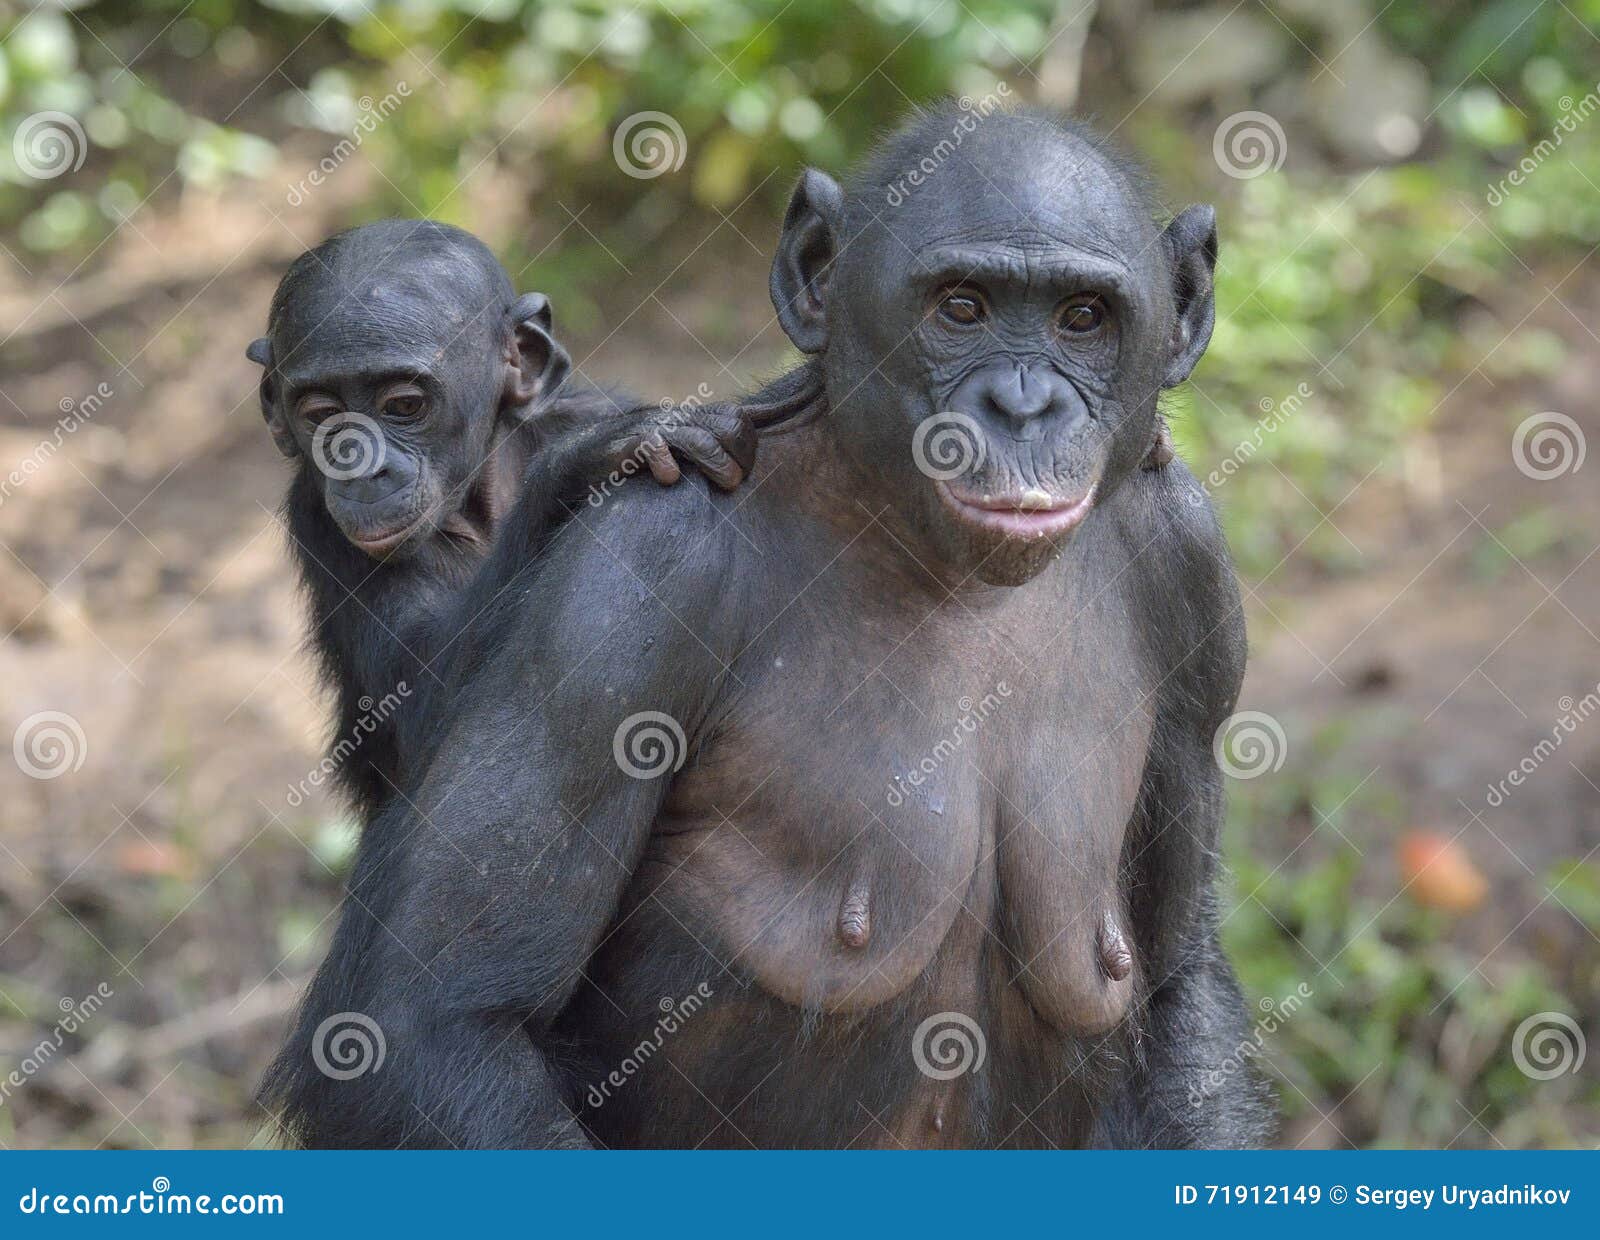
(1021,396)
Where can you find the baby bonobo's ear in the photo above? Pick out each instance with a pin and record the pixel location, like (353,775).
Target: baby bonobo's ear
(536,364)
(259,351)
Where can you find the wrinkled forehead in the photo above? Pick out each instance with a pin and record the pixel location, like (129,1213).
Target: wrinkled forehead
(1033,193)
(333,325)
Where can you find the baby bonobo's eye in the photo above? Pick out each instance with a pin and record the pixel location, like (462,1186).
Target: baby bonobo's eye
(402,400)
(317,407)
(961,306)
(1081,314)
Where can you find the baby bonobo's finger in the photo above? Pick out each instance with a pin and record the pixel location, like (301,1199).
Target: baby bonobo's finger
(663,468)
(707,454)
(733,431)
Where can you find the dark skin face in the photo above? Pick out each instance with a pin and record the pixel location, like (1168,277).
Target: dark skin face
(1014,322)
(388,403)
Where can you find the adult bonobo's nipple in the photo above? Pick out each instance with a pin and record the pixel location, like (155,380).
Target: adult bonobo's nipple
(855,915)
(1116,958)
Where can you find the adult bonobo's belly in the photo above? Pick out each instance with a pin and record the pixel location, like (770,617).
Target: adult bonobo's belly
(879,869)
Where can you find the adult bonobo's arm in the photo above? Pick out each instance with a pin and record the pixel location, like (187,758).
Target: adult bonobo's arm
(478,899)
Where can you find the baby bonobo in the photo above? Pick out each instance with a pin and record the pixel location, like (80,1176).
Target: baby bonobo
(421,398)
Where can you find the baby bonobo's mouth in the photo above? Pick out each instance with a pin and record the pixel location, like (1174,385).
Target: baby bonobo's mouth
(1016,513)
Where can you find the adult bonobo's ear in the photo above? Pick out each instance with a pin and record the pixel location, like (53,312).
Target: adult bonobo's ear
(1191,242)
(537,365)
(806,246)
(259,351)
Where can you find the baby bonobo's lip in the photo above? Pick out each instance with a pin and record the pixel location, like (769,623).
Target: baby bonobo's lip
(1031,513)
(381,544)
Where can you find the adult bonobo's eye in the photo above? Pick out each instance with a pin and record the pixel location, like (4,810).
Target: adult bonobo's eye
(316,407)
(961,306)
(403,401)
(1081,315)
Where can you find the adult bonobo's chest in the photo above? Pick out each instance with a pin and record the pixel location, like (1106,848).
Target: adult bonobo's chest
(903,831)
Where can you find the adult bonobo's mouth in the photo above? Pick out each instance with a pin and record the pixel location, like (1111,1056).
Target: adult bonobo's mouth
(1030,513)
(383,542)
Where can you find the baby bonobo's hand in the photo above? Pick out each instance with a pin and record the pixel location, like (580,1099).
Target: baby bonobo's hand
(715,439)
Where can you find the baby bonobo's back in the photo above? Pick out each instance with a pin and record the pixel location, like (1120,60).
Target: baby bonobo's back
(420,397)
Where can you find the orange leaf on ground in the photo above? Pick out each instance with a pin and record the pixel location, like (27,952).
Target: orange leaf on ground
(1438,872)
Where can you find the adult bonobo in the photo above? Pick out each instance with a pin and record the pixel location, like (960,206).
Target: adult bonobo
(416,391)
(884,811)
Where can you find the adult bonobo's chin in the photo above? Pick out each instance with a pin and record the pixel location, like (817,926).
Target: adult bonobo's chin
(1019,313)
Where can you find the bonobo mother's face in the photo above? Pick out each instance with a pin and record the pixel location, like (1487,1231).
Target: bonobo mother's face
(995,343)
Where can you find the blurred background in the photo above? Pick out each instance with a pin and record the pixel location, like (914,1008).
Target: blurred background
(1392,419)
